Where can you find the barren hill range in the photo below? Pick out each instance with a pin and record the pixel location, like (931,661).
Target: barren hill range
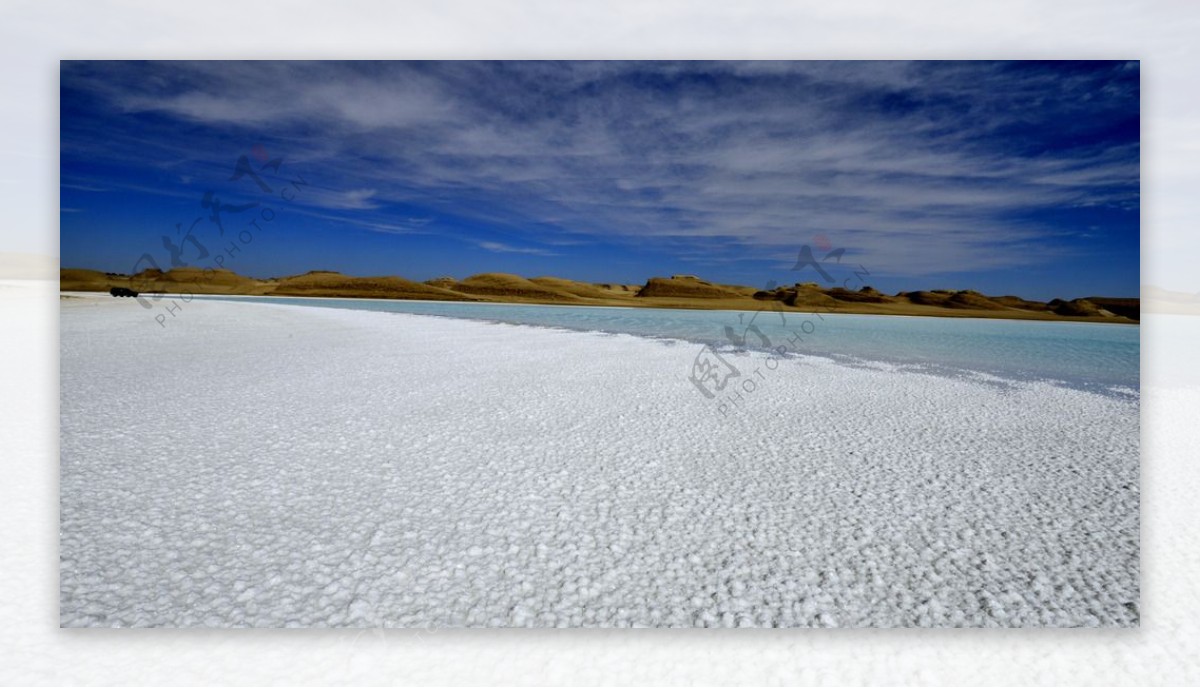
(679,291)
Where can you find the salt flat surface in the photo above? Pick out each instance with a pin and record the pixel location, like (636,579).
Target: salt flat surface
(261,465)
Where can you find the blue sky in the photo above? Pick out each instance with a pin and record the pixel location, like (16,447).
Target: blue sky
(1016,178)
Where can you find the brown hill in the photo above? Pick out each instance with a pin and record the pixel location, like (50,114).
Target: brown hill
(739,289)
(499,284)
(687,287)
(809,299)
(925,298)
(864,295)
(1078,308)
(322,283)
(582,289)
(1128,308)
(75,279)
(679,291)
(152,280)
(1018,302)
(804,296)
(196,281)
(630,289)
(972,300)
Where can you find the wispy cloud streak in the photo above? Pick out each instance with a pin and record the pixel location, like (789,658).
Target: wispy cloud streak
(918,167)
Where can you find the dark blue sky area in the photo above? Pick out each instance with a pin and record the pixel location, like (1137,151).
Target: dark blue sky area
(1017,178)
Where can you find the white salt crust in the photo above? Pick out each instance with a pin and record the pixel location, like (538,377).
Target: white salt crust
(265,465)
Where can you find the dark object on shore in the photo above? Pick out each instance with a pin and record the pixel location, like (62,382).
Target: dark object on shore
(1130,308)
(122,291)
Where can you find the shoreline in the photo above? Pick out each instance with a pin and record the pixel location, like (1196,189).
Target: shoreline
(963,314)
(683,292)
(795,311)
(841,348)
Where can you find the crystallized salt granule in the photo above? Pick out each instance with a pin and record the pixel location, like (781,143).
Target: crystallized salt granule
(259,465)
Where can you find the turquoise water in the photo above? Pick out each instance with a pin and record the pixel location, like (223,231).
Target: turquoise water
(1088,355)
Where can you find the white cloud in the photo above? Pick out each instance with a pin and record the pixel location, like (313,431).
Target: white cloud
(505,248)
(891,159)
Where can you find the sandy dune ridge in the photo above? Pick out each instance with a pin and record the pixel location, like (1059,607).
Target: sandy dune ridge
(678,291)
